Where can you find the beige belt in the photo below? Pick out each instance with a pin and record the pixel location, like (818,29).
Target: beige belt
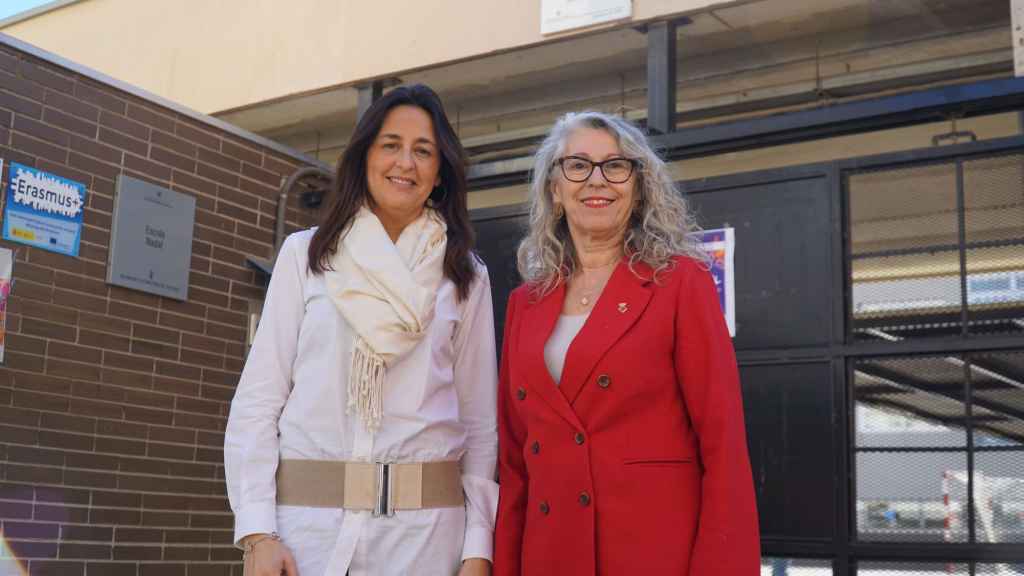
(382,488)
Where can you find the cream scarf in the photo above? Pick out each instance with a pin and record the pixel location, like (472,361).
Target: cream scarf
(386,292)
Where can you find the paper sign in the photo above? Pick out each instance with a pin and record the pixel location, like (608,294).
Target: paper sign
(720,244)
(43,210)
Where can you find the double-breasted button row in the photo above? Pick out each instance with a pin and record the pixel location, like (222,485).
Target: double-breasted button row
(544,507)
(535,447)
(604,380)
(584,499)
(579,438)
(521,393)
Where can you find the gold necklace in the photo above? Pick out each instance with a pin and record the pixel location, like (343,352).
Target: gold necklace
(587,294)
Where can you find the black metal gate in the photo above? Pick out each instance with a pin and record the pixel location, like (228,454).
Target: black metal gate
(880,336)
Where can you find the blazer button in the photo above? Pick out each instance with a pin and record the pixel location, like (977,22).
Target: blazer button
(604,381)
(521,393)
(584,499)
(579,438)
(544,508)
(535,447)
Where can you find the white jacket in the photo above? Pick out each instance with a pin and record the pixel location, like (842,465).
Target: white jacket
(439,404)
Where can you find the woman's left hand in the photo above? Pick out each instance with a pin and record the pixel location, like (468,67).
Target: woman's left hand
(475,567)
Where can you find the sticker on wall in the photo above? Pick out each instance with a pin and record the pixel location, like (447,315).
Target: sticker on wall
(720,244)
(43,210)
(6,269)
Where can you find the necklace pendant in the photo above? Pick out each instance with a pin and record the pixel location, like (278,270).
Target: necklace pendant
(585,301)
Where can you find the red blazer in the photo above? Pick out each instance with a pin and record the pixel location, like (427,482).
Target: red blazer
(637,463)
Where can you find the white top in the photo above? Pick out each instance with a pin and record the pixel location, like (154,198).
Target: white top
(557,346)
(439,404)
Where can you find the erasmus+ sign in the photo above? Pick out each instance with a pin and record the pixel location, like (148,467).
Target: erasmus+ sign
(44,210)
(151,239)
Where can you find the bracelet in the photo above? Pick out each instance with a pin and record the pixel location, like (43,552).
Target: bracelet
(247,548)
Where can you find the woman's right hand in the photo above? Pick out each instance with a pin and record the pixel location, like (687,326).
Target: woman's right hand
(269,557)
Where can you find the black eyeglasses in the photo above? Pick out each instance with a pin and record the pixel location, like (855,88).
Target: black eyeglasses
(614,170)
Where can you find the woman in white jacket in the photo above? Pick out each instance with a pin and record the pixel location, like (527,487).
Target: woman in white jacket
(361,438)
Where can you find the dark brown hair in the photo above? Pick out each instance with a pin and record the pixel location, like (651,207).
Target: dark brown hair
(349,191)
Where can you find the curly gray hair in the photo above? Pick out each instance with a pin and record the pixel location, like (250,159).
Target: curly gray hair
(660,227)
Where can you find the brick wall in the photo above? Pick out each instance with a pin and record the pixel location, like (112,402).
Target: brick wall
(113,402)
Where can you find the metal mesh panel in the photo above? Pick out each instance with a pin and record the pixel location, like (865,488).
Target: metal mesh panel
(905,266)
(909,402)
(1000,569)
(994,228)
(795,567)
(911,569)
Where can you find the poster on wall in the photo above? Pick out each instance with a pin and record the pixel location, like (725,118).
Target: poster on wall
(720,244)
(6,270)
(561,15)
(43,210)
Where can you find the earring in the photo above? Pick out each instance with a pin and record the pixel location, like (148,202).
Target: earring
(559,210)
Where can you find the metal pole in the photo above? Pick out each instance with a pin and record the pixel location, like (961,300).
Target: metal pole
(661,77)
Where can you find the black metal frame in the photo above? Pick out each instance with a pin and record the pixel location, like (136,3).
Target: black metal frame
(845,550)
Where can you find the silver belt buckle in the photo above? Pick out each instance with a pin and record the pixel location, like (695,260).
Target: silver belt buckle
(383,505)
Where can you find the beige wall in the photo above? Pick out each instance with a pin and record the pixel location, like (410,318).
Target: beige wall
(214,55)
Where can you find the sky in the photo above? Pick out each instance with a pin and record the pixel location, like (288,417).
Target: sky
(12,7)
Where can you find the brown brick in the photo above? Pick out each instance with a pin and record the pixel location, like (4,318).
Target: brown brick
(42,131)
(81,301)
(93,166)
(62,440)
(139,535)
(232,211)
(245,275)
(176,386)
(8,62)
(124,125)
(193,470)
(199,421)
(208,455)
(171,159)
(187,536)
(100,97)
(201,137)
(215,221)
(176,370)
(120,446)
(217,175)
(65,171)
(124,429)
(162,569)
(42,383)
(199,520)
(171,434)
(44,329)
(34,474)
(70,123)
(146,167)
(190,553)
(101,323)
(69,369)
(219,160)
(194,183)
(100,202)
(96,150)
(200,280)
(72,106)
(155,349)
(86,533)
(27,344)
(241,152)
(128,362)
(208,297)
(199,264)
(202,248)
(195,357)
(255,234)
(17,103)
(68,423)
(74,352)
(61,513)
(150,117)
(215,237)
(218,393)
(37,401)
(278,166)
(39,148)
(234,333)
(93,408)
(22,510)
(182,322)
(200,406)
(85,551)
(45,76)
(233,257)
(32,455)
(171,451)
(116,499)
(265,176)
(28,362)
(211,345)
(103,339)
(114,516)
(238,197)
(148,415)
(111,569)
(118,140)
(146,398)
(90,478)
(91,462)
(132,312)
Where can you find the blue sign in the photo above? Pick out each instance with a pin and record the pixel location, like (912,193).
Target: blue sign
(720,246)
(43,210)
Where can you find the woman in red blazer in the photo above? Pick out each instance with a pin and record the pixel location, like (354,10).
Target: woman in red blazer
(621,440)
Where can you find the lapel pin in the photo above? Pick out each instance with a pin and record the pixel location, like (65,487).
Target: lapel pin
(623,307)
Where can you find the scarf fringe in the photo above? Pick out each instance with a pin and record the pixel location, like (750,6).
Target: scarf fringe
(366,385)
